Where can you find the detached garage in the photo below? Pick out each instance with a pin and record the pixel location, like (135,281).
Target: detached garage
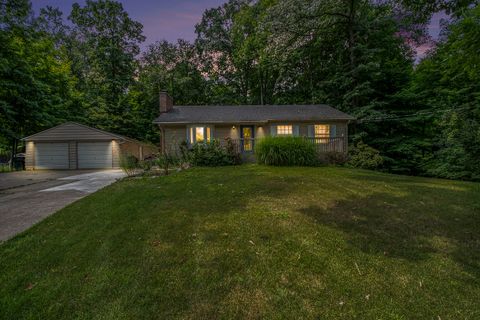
(76,146)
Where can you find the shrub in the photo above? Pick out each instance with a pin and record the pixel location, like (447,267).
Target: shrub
(365,157)
(5,167)
(286,151)
(211,154)
(184,152)
(146,165)
(335,158)
(165,161)
(129,164)
(232,151)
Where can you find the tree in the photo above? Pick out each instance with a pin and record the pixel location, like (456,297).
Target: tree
(35,84)
(105,47)
(448,82)
(165,66)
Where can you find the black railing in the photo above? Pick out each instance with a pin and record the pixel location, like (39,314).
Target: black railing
(323,145)
(329,144)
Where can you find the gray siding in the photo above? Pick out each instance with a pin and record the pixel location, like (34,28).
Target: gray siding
(115,154)
(30,155)
(342,127)
(222,132)
(173,136)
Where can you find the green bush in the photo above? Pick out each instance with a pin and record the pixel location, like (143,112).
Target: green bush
(232,150)
(365,157)
(5,168)
(129,164)
(212,154)
(286,151)
(165,161)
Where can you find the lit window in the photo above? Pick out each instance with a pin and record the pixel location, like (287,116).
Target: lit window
(199,134)
(322,131)
(284,130)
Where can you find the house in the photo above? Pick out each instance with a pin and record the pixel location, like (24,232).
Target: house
(75,146)
(323,125)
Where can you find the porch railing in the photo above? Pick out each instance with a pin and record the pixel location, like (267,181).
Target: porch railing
(323,145)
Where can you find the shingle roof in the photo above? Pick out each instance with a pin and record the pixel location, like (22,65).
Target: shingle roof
(70,131)
(249,113)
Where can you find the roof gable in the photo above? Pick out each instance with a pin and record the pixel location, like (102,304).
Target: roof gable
(73,131)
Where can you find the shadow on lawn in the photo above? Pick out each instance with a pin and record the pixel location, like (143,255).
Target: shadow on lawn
(424,220)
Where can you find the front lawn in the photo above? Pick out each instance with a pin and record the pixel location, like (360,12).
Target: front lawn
(253,242)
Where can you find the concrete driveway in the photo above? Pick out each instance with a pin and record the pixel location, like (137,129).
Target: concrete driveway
(27,197)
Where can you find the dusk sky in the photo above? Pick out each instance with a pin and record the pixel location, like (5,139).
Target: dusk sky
(175,19)
(161,19)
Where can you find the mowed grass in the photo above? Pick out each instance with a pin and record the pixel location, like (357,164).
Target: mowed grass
(253,242)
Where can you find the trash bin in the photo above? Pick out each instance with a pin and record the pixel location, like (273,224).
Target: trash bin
(19,162)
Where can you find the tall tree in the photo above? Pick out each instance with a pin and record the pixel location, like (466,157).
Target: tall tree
(107,43)
(35,84)
(214,40)
(448,83)
(165,66)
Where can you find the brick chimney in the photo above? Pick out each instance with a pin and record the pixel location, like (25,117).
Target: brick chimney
(166,102)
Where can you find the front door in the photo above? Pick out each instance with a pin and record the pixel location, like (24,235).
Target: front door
(247,135)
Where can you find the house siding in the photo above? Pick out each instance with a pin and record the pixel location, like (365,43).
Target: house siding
(226,131)
(174,135)
(115,154)
(138,150)
(30,155)
(342,127)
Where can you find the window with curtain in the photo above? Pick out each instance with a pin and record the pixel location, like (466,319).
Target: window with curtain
(285,130)
(198,134)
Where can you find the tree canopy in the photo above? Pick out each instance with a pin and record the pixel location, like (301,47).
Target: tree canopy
(358,56)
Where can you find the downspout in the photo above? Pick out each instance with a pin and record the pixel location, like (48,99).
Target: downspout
(162,139)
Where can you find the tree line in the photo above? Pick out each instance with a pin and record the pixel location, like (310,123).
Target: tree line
(358,56)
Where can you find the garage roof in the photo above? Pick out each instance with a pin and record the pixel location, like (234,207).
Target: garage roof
(69,131)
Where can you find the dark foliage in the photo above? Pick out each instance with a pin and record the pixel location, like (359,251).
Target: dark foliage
(357,56)
(365,157)
(212,154)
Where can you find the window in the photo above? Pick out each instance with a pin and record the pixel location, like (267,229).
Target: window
(322,131)
(199,134)
(285,130)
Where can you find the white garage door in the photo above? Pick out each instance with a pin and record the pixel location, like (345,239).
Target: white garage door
(94,155)
(51,155)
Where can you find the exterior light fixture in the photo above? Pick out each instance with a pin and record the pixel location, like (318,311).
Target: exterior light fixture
(233,127)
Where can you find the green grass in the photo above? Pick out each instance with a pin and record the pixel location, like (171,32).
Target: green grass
(253,242)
